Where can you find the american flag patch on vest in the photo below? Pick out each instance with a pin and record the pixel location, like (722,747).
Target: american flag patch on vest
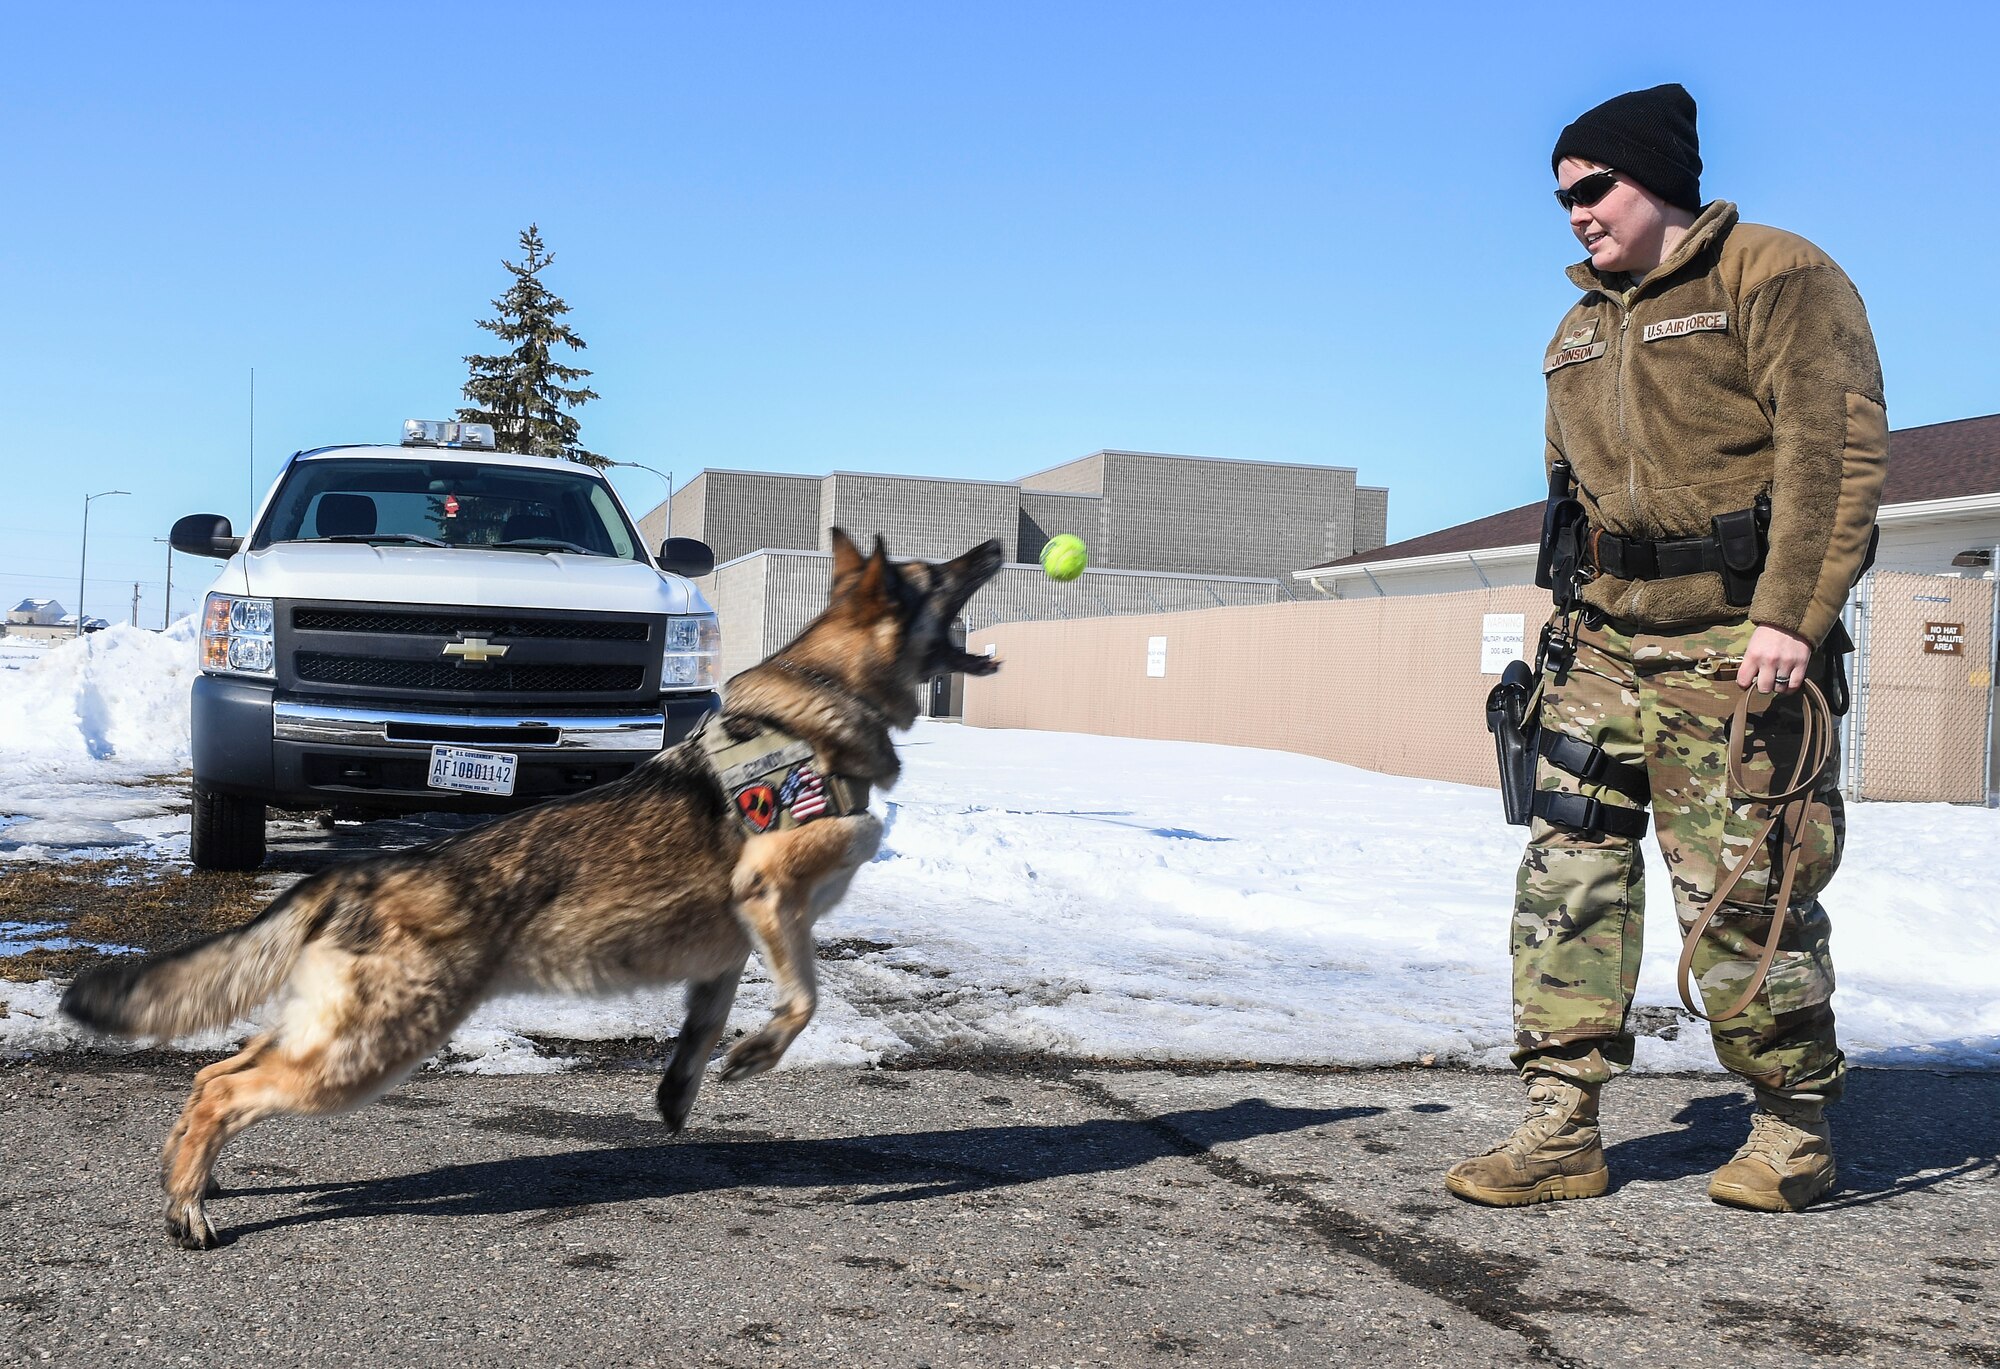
(804,792)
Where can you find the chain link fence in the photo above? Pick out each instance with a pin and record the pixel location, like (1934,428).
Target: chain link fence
(1922,723)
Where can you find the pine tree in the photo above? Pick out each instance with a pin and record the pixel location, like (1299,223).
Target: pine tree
(524,393)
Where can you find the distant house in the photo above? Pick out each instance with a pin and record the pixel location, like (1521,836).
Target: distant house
(39,613)
(1940,515)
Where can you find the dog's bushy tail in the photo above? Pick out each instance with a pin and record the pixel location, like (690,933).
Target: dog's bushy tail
(206,983)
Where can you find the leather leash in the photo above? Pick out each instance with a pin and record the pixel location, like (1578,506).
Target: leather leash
(1790,804)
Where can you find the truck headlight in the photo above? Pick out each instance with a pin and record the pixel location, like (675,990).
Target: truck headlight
(236,636)
(694,645)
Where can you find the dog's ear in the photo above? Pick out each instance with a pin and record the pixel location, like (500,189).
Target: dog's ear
(875,575)
(846,556)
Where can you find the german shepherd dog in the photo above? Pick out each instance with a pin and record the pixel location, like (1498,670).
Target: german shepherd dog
(654,878)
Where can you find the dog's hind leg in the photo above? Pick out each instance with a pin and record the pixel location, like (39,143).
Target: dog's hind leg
(240,1060)
(218,1108)
(708,1003)
(353,1027)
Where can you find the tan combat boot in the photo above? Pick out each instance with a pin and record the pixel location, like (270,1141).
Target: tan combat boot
(1785,1165)
(1554,1153)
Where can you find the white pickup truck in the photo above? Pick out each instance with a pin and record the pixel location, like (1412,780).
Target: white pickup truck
(435,625)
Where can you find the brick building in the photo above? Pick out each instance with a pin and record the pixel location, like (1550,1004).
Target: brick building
(1165,533)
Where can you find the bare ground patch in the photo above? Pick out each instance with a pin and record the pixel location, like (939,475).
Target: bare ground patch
(125,902)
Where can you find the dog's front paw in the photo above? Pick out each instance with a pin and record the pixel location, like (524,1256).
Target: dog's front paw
(752,1056)
(675,1100)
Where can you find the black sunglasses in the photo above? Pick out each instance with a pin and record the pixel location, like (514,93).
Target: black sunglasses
(1587,190)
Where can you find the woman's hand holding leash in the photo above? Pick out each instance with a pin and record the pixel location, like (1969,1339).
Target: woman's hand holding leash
(1774,662)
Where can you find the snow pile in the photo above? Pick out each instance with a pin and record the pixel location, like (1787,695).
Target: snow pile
(80,721)
(1117,898)
(117,698)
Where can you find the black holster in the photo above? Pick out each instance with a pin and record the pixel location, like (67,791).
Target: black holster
(1514,739)
(1740,537)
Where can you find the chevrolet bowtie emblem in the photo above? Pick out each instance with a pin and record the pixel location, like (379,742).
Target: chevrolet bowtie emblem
(475,651)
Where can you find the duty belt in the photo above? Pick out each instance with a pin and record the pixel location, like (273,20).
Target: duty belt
(1733,550)
(1632,558)
(773,780)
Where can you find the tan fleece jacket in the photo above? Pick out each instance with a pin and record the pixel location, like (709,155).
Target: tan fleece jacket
(1743,365)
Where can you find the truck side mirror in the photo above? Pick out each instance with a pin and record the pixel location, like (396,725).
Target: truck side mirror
(687,556)
(204,534)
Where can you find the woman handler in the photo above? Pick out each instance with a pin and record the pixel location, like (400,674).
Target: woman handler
(1715,393)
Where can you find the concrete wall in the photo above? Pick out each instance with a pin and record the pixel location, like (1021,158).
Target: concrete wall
(1223,518)
(688,515)
(1082,476)
(738,512)
(1371,518)
(927,518)
(736,592)
(1045,513)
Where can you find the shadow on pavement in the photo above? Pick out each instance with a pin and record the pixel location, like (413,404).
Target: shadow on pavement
(916,1165)
(1895,1132)
(1709,1130)
(1903,1131)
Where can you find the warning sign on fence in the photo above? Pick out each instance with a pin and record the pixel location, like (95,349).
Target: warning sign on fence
(1947,639)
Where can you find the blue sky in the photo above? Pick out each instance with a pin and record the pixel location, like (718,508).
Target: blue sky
(956,239)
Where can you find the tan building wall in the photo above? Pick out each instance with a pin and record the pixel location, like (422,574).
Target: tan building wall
(1388,684)
(1394,684)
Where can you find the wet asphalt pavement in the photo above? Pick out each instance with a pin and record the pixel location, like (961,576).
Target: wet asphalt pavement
(1034,1213)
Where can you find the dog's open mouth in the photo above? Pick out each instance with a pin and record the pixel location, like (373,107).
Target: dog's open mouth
(962,578)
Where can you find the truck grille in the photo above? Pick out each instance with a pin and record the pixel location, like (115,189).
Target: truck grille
(318,667)
(387,652)
(446,625)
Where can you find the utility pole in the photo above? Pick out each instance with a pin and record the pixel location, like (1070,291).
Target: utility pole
(135,603)
(167,603)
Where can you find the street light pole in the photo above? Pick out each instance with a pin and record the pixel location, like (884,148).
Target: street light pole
(83,556)
(167,600)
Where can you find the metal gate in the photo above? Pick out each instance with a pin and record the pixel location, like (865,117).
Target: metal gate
(1921,726)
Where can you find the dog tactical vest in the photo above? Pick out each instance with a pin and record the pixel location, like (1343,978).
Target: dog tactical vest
(773,781)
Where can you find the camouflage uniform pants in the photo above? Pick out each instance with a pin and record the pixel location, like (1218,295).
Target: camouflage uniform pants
(1664,702)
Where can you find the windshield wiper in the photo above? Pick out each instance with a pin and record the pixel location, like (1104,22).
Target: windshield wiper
(541,544)
(399,538)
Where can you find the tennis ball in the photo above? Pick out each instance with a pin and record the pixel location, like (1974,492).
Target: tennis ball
(1063,557)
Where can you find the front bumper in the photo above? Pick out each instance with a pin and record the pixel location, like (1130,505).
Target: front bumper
(295,752)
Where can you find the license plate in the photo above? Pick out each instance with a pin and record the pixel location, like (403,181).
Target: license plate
(473,772)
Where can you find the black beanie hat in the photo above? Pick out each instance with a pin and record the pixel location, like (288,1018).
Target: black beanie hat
(1647,134)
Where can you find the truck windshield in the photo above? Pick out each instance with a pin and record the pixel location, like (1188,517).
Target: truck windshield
(447,503)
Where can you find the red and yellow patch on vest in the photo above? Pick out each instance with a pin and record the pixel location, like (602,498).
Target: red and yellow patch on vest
(1717,322)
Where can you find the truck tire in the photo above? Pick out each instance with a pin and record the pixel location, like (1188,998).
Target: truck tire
(226,832)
